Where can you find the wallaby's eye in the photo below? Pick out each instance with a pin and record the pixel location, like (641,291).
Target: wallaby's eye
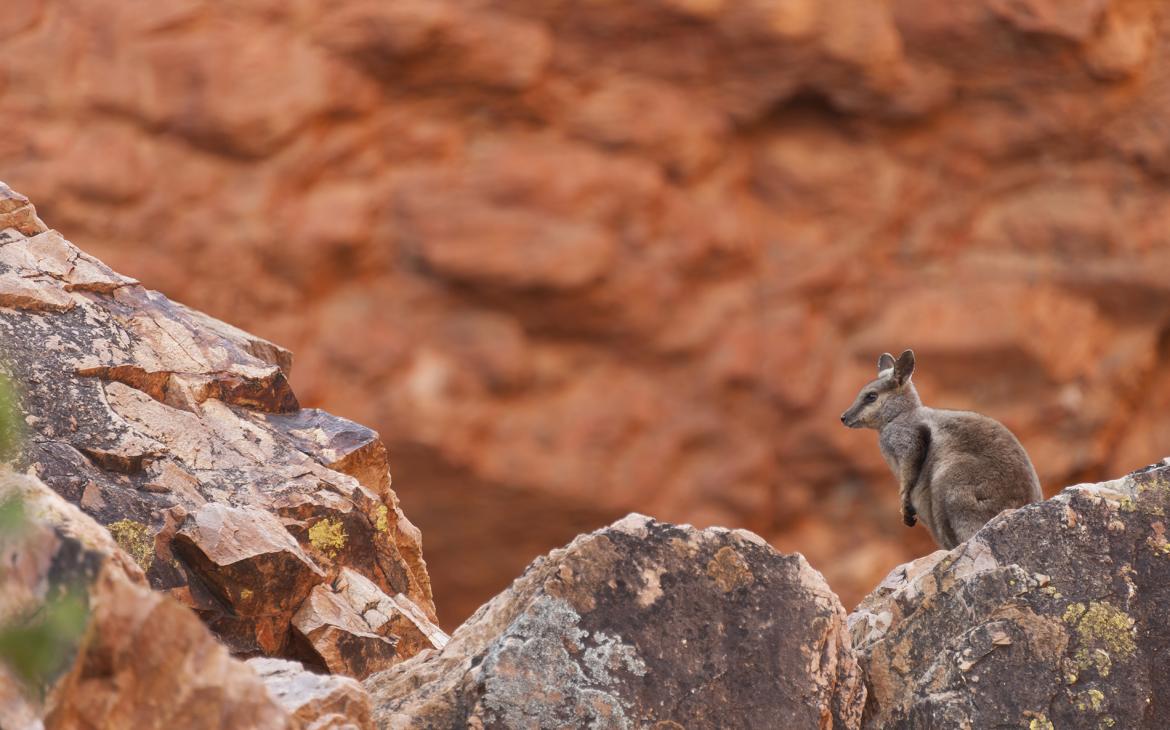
(870,397)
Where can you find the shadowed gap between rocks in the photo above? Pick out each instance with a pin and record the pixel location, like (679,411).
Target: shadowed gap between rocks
(482,534)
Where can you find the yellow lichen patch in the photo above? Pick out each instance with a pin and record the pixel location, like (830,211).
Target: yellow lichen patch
(729,570)
(1156,485)
(382,524)
(1098,658)
(1104,631)
(1109,627)
(135,539)
(1090,701)
(328,536)
(246,594)
(1073,612)
(1040,722)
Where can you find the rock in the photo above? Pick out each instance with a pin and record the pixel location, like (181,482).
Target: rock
(17,213)
(354,628)
(340,638)
(182,435)
(249,561)
(390,616)
(318,702)
(685,255)
(641,624)
(438,42)
(1052,615)
(132,657)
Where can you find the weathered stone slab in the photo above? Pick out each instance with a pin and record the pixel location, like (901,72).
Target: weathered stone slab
(641,624)
(1054,615)
(132,657)
(165,424)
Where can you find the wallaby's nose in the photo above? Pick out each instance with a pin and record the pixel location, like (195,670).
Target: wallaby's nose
(842,418)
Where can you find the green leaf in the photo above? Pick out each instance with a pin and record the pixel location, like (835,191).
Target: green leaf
(11,516)
(41,648)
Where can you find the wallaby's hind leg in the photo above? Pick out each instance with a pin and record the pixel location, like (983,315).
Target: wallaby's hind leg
(967,507)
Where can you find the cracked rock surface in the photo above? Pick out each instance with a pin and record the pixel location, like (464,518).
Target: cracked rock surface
(181,435)
(142,659)
(320,702)
(1054,615)
(641,623)
(562,256)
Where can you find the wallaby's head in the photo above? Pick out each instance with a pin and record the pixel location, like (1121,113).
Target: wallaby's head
(881,400)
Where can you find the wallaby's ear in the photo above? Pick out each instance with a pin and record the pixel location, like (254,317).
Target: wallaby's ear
(904,367)
(885,362)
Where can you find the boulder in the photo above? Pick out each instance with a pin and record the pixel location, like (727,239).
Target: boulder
(126,656)
(182,435)
(1053,615)
(318,701)
(641,624)
(18,213)
(351,627)
(568,260)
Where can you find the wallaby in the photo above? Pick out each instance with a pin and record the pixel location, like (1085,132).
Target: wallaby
(955,469)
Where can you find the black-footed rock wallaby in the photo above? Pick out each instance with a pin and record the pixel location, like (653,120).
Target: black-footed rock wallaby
(955,469)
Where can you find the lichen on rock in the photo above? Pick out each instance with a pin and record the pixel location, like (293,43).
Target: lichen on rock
(140,659)
(1050,616)
(641,623)
(328,536)
(182,435)
(135,539)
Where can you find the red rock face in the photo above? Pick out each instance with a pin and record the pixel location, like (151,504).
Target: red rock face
(573,259)
(181,435)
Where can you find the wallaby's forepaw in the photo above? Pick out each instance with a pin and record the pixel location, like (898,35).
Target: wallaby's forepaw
(909,516)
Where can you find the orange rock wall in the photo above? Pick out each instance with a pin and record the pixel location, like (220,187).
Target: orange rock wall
(579,258)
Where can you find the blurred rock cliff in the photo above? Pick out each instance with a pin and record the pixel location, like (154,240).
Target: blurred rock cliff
(574,259)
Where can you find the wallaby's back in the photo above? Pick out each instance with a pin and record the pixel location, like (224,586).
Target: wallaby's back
(975,468)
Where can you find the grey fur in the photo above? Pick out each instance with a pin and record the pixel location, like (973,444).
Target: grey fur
(955,469)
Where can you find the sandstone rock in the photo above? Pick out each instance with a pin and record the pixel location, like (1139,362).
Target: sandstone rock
(354,628)
(732,209)
(183,436)
(144,661)
(249,561)
(18,213)
(640,624)
(318,702)
(340,639)
(438,42)
(390,616)
(1053,615)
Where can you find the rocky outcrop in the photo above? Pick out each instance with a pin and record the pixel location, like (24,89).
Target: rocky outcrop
(1054,615)
(317,701)
(132,657)
(567,259)
(641,624)
(353,628)
(277,525)
(182,436)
